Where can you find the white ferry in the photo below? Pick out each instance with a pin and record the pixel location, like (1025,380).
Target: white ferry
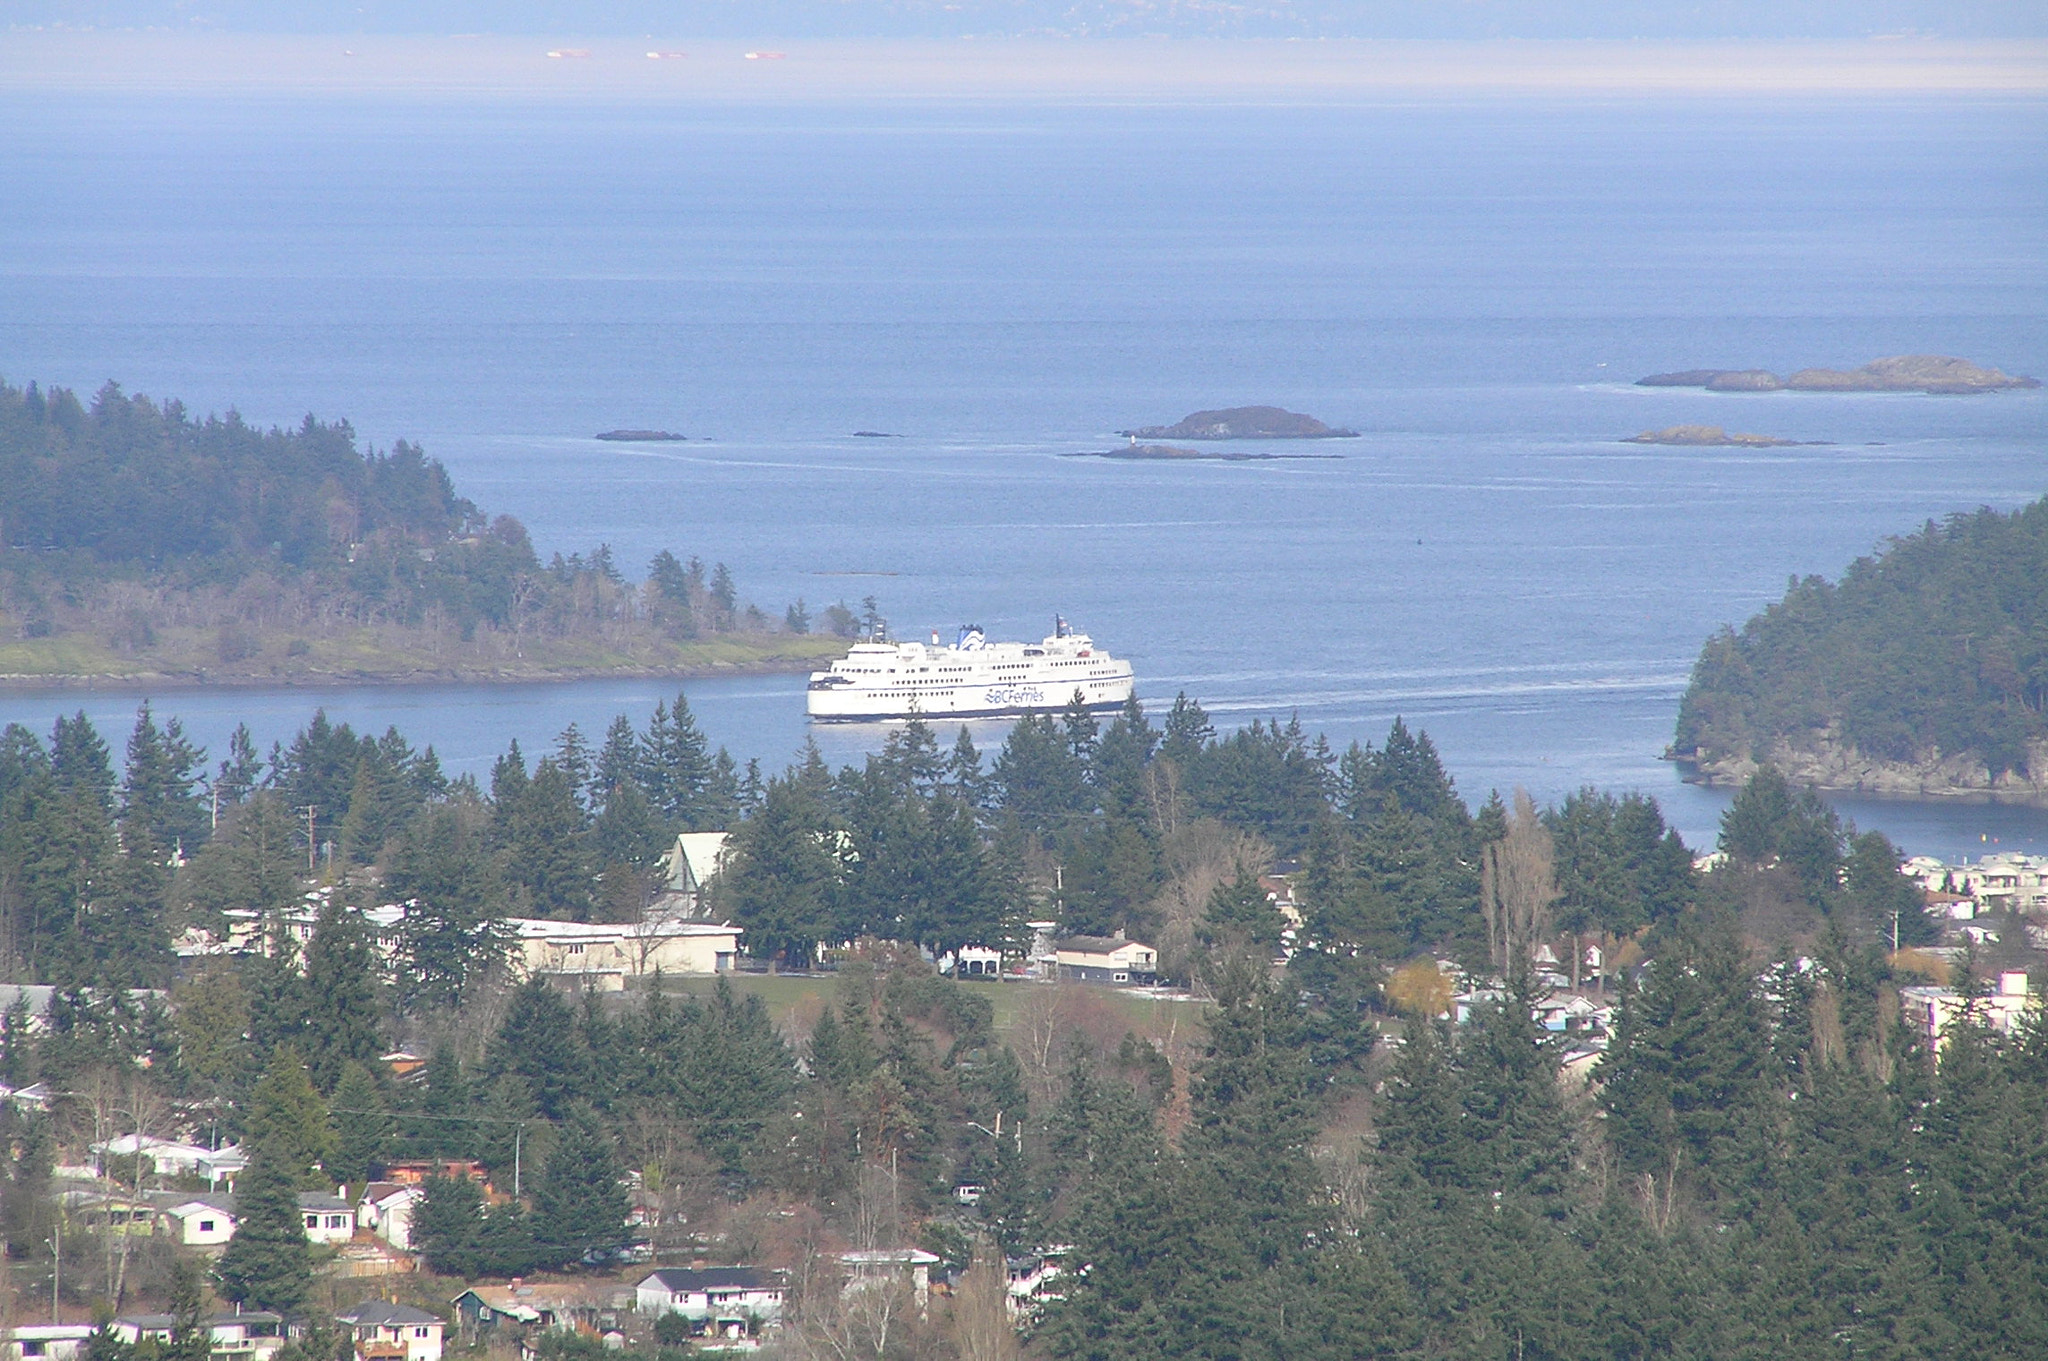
(973,678)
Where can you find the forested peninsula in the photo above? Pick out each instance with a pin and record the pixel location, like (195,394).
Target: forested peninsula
(139,543)
(1923,672)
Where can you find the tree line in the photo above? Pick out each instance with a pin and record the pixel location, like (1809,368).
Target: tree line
(124,516)
(1936,644)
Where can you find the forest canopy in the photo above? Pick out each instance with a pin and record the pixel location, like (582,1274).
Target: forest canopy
(1937,644)
(153,541)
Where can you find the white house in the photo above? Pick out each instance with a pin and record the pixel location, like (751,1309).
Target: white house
(328,1219)
(393,1332)
(731,1302)
(250,1336)
(603,955)
(201,1222)
(1931,1009)
(173,1159)
(1107,959)
(871,1267)
(45,1341)
(386,1210)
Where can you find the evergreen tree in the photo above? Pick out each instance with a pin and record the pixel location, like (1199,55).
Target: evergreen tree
(267,1264)
(288,1122)
(580,1203)
(362,1128)
(160,814)
(675,765)
(342,1015)
(450,936)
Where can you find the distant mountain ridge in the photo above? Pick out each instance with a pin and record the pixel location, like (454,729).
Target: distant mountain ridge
(750,20)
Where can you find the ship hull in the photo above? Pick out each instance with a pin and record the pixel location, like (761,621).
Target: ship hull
(993,701)
(878,681)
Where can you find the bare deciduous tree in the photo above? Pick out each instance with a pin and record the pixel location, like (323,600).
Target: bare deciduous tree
(1517,885)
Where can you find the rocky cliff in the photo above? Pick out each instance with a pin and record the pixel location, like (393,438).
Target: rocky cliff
(1822,759)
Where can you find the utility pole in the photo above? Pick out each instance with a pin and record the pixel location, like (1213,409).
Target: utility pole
(312,846)
(518,1133)
(56,1263)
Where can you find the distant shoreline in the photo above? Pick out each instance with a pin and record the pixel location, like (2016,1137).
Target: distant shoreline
(1208,71)
(168,682)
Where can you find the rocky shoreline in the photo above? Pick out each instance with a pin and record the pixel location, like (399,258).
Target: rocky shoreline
(1835,767)
(1714,437)
(1929,373)
(1168,453)
(1242,422)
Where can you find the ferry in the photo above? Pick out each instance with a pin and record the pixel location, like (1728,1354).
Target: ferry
(971,678)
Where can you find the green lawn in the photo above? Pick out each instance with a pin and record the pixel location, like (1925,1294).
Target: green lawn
(798,999)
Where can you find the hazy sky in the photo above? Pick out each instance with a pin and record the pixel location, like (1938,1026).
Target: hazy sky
(748,19)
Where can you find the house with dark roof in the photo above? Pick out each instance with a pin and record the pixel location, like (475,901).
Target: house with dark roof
(1107,959)
(393,1332)
(730,1302)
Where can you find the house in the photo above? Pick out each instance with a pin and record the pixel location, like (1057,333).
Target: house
(393,1332)
(45,1341)
(603,955)
(1030,1280)
(591,1306)
(732,1302)
(200,1221)
(878,1266)
(1930,1010)
(386,1210)
(250,1336)
(1107,959)
(415,1171)
(169,1158)
(328,1219)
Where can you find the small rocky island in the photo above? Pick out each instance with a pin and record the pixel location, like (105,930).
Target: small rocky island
(641,436)
(1933,373)
(1713,437)
(1243,422)
(1169,453)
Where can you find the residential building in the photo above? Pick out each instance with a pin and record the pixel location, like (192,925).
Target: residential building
(589,1305)
(879,1266)
(45,1341)
(328,1219)
(170,1158)
(732,1302)
(1930,1010)
(393,1332)
(250,1336)
(200,1221)
(386,1210)
(603,955)
(1107,959)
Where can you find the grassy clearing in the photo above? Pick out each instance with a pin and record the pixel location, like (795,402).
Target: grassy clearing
(795,1004)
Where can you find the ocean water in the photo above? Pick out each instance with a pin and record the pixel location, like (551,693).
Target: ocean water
(1472,285)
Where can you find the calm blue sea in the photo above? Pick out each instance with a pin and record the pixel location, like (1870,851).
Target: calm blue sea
(1472,285)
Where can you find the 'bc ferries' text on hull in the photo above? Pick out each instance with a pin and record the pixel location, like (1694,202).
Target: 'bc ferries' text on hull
(973,678)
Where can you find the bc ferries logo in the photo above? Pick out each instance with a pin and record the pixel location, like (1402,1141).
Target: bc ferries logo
(1015,694)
